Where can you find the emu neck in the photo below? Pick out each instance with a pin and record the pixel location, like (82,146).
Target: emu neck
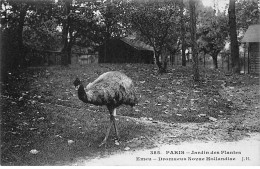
(82,94)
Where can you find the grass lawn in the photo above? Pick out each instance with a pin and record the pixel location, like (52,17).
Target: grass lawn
(44,123)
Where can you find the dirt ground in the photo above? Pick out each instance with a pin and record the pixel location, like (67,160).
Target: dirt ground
(44,123)
(237,133)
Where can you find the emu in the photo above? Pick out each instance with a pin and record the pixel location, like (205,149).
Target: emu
(111,89)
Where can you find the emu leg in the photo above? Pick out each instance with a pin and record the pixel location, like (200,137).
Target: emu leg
(115,125)
(107,133)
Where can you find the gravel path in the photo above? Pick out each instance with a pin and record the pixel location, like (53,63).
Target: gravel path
(243,152)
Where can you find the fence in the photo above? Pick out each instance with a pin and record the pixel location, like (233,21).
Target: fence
(224,61)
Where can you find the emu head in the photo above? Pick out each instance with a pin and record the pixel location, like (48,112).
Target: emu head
(77,83)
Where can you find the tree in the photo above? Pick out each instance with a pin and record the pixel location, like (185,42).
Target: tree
(72,18)
(75,21)
(155,20)
(110,22)
(247,12)
(15,16)
(40,31)
(213,33)
(183,63)
(15,19)
(233,37)
(65,57)
(193,40)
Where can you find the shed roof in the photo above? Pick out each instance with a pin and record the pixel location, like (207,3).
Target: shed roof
(139,45)
(252,34)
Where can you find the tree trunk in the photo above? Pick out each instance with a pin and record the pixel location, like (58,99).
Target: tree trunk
(233,37)
(65,55)
(173,59)
(183,36)
(228,62)
(164,64)
(21,60)
(69,53)
(158,62)
(106,49)
(70,44)
(215,60)
(107,35)
(204,59)
(193,40)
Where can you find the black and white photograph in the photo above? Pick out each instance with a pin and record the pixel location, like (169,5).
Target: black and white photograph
(130,83)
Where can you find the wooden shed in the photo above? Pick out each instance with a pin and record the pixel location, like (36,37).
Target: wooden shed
(252,38)
(126,50)
(38,57)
